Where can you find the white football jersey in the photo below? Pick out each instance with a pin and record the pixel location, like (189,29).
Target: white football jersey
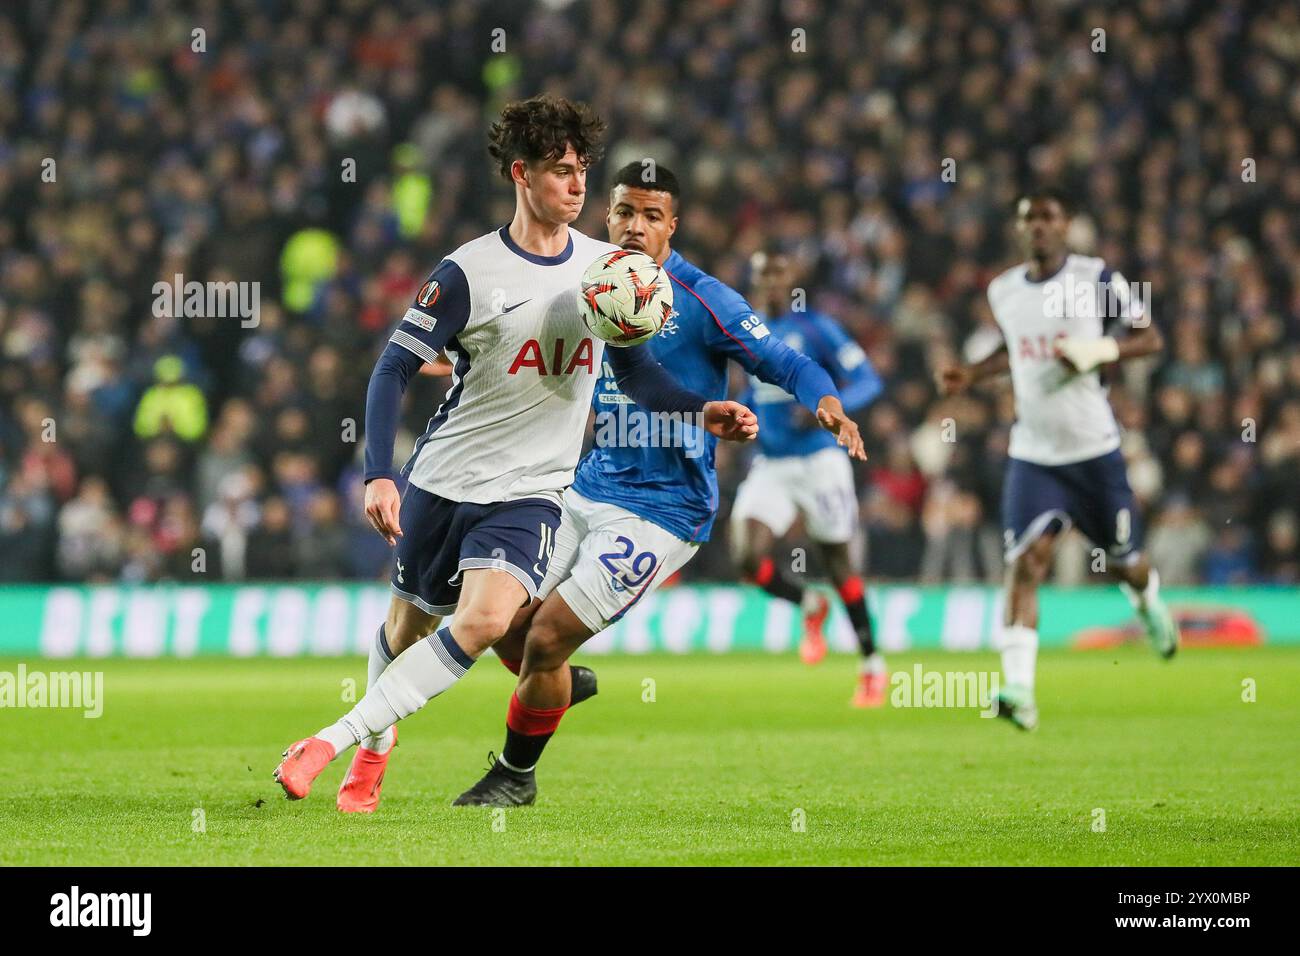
(525,366)
(1060,417)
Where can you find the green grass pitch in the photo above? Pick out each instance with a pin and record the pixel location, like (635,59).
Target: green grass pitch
(713,771)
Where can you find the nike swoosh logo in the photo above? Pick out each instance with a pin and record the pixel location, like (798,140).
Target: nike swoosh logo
(515,306)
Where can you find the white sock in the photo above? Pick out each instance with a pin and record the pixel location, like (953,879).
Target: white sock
(420,673)
(1019,646)
(1142,600)
(381,656)
(873,663)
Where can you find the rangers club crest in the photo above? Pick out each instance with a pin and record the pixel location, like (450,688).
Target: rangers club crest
(428,294)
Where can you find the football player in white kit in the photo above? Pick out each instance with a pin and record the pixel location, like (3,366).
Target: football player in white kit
(476,526)
(1062,317)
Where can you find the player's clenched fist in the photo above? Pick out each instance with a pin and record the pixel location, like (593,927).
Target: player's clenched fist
(954,379)
(382,505)
(730,421)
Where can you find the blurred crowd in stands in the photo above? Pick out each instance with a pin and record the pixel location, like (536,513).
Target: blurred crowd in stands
(333,151)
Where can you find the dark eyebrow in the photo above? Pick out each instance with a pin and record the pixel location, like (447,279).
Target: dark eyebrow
(624,204)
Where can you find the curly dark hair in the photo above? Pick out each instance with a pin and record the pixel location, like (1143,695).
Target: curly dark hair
(542,128)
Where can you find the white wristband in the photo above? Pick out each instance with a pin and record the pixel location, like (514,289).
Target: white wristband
(1086,354)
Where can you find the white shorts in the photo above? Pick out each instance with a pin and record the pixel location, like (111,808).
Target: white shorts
(606,559)
(820,486)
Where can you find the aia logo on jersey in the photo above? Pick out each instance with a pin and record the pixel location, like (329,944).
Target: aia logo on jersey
(1041,348)
(428,293)
(530,356)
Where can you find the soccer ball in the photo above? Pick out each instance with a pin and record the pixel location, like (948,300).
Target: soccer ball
(625,297)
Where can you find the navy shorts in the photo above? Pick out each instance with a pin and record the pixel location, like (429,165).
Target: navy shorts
(1093,496)
(441,538)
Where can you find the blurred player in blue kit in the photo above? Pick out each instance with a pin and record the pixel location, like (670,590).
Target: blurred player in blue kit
(800,472)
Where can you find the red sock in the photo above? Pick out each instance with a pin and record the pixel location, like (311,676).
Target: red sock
(853,593)
(851,590)
(511,665)
(770,580)
(527,731)
(532,721)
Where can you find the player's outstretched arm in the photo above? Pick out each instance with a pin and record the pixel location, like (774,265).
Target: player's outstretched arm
(648,383)
(738,334)
(811,385)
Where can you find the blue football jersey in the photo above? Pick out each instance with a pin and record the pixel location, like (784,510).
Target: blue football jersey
(666,475)
(782,430)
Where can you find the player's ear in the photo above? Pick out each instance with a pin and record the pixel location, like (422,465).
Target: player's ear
(672,227)
(519,172)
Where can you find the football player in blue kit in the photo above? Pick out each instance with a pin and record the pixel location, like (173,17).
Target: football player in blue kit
(638,509)
(800,472)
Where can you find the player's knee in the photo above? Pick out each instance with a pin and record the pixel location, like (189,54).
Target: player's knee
(477,629)
(519,625)
(1029,569)
(547,646)
(405,625)
(1022,575)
